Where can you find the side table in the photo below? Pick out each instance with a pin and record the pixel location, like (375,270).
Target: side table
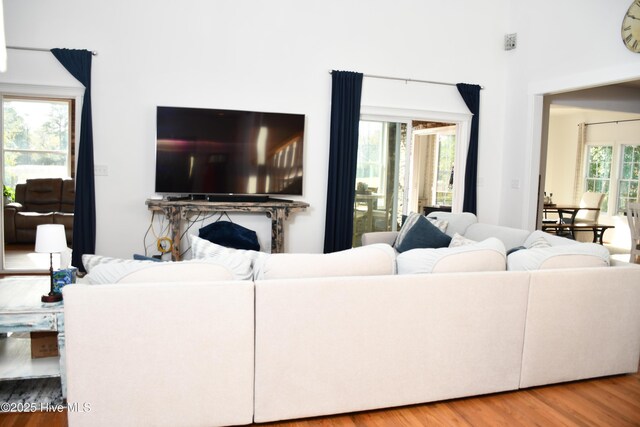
(22,311)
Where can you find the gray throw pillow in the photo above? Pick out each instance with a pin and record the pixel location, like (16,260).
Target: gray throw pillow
(419,232)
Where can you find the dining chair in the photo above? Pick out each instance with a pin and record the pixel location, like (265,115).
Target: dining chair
(592,201)
(633,216)
(590,212)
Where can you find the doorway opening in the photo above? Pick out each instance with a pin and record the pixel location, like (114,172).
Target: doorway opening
(38,134)
(590,143)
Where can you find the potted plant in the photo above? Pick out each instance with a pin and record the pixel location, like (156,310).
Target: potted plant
(8,193)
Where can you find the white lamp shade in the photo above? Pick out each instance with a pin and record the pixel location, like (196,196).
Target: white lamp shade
(50,238)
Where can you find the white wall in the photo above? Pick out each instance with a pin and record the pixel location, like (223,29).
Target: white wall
(255,55)
(275,56)
(562,45)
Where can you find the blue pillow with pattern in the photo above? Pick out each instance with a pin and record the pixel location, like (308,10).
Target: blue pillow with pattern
(419,232)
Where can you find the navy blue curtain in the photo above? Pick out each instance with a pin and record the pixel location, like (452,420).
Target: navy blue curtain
(346,91)
(471,96)
(78,63)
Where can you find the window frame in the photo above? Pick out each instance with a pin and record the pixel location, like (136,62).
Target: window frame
(613,194)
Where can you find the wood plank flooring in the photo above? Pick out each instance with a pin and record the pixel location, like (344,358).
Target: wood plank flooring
(611,401)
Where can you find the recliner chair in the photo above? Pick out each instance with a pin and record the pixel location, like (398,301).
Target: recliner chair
(39,201)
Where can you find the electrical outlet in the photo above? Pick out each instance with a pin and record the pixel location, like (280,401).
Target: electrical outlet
(100,170)
(510,41)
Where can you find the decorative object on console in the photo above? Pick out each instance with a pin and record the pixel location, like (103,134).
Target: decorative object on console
(64,277)
(50,238)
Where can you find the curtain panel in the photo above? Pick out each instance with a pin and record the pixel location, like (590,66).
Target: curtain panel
(78,63)
(346,93)
(471,96)
(578,179)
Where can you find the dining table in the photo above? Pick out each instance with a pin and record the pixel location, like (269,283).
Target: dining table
(566,215)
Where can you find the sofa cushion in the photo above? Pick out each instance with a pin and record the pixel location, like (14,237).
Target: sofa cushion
(419,232)
(487,255)
(371,260)
(559,256)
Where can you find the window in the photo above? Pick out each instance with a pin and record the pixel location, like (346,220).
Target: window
(629,177)
(598,172)
(37,138)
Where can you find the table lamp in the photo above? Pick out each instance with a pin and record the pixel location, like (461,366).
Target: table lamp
(51,238)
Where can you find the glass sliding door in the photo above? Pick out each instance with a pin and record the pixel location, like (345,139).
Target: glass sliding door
(378,184)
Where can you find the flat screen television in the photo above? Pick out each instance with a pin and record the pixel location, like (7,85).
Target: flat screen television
(227,152)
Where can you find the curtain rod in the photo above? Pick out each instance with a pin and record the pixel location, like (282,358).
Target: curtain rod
(407,80)
(612,121)
(39,49)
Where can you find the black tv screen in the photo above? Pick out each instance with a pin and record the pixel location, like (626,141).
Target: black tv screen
(208,151)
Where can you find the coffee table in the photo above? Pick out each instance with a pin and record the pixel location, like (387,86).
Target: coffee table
(22,311)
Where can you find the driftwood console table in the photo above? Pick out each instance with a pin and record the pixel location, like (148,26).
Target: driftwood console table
(176,211)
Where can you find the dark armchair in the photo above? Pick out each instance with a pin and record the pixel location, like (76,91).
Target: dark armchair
(39,201)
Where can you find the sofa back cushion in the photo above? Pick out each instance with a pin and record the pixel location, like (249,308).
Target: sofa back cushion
(371,260)
(68,197)
(457,222)
(42,195)
(510,237)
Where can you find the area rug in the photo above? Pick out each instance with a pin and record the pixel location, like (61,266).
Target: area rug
(38,393)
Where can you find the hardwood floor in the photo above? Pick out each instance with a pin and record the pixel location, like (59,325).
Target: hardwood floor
(611,401)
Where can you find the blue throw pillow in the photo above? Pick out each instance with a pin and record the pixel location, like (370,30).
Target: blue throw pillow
(516,249)
(419,232)
(139,257)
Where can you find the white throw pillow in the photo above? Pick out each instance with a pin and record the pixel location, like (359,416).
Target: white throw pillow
(242,262)
(487,255)
(91,261)
(440,223)
(458,240)
(540,242)
(113,270)
(550,238)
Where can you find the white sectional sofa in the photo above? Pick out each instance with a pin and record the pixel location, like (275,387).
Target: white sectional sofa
(289,344)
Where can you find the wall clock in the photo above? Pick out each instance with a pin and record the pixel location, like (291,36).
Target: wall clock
(631,27)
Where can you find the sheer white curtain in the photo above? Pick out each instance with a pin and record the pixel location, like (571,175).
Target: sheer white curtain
(578,180)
